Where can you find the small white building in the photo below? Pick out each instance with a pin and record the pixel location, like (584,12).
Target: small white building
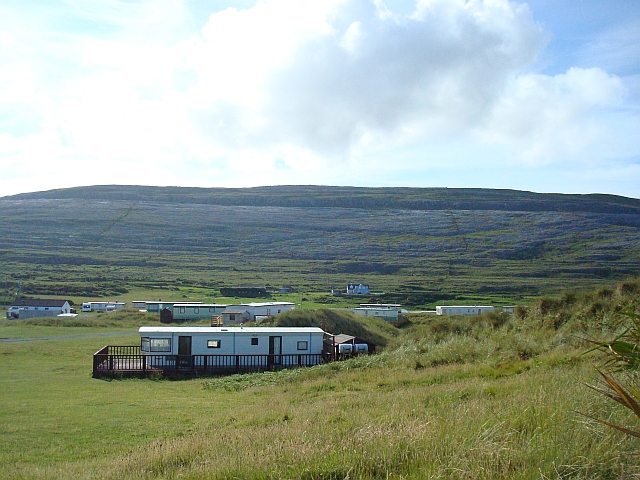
(235,316)
(23,308)
(102,306)
(463,309)
(264,342)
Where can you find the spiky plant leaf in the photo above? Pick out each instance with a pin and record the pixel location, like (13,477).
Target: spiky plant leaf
(628,431)
(626,398)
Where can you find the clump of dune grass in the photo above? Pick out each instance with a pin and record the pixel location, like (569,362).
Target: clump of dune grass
(371,329)
(622,355)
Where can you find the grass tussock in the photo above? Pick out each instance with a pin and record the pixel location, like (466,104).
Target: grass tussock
(339,321)
(405,427)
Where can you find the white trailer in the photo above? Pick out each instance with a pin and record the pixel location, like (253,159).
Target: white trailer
(464,309)
(252,347)
(102,306)
(257,310)
(387,311)
(197,311)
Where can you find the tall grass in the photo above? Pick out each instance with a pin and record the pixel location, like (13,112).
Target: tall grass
(371,329)
(452,398)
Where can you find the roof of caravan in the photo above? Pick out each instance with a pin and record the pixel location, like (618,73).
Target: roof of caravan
(465,306)
(263,304)
(171,303)
(199,305)
(252,330)
(105,303)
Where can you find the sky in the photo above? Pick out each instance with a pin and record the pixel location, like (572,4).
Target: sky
(539,95)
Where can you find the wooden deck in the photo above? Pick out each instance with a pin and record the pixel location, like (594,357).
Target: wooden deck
(113,361)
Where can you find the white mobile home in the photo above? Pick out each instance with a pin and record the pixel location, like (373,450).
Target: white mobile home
(254,346)
(196,311)
(463,310)
(157,307)
(102,306)
(387,311)
(257,310)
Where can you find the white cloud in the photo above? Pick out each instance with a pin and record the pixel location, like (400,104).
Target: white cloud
(617,49)
(545,118)
(289,91)
(356,71)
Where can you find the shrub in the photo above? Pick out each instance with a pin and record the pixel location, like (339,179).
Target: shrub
(622,353)
(630,287)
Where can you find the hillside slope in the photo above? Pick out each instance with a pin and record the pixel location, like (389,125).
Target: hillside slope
(419,246)
(353,197)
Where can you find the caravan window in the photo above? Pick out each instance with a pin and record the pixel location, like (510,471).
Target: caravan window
(196,310)
(302,345)
(144,344)
(160,344)
(254,341)
(213,343)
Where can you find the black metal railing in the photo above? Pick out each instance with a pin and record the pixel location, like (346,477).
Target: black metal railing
(127,362)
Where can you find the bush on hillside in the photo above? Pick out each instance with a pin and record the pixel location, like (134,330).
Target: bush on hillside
(622,353)
(371,329)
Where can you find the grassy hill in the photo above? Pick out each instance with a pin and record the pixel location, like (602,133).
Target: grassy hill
(353,197)
(418,246)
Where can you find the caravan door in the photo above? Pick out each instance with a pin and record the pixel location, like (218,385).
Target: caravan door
(275,351)
(184,352)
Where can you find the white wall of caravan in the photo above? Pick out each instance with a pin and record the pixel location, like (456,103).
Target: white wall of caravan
(239,342)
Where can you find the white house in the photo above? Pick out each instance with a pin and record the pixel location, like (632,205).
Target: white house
(102,306)
(357,289)
(35,307)
(463,310)
(258,345)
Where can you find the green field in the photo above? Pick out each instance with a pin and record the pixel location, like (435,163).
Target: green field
(462,398)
